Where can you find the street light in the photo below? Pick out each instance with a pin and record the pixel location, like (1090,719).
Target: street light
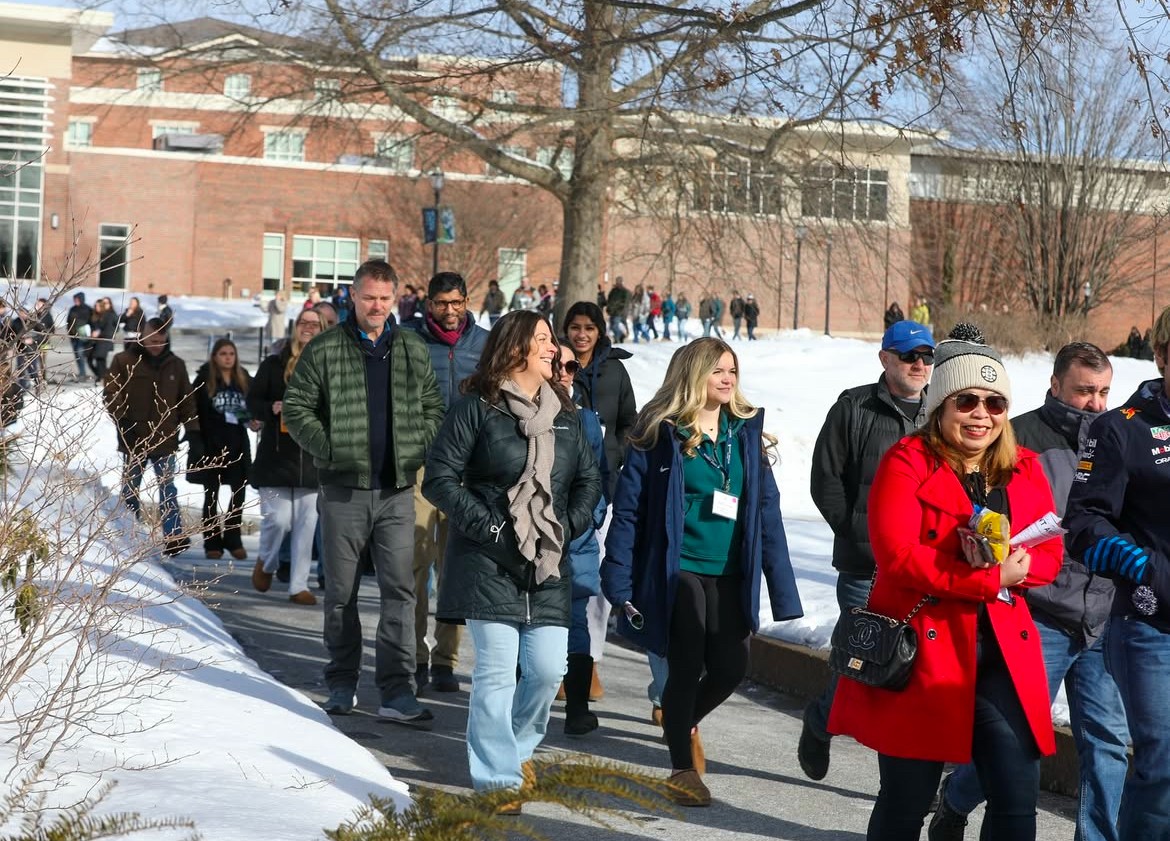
(437,186)
(801,233)
(828,274)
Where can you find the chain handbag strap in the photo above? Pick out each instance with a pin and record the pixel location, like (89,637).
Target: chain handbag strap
(911,614)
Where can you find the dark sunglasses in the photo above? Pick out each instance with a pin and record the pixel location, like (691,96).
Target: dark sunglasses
(912,356)
(966,403)
(572,366)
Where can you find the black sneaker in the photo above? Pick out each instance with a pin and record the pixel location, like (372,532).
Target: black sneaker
(443,679)
(947,824)
(813,754)
(341,701)
(421,677)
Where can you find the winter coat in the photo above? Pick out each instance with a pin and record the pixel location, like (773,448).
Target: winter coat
(644,542)
(453,364)
(478,455)
(1076,601)
(79,316)
(716,309)
(604,386)
(683,310)
(280,462)
(736,307)
(102,327)
(917,505)
(618,302)
(705,309)
(278,319)
(585,551)
(132,324)
(226,455)
(326,406)
(668,309)
(493,302)
(751,313)
(1121,487)
(148,397)
(859,428)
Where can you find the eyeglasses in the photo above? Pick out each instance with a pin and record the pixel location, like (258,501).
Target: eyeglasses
(966,403)
(912,356)
(572,366)
(442,305)
(314,323)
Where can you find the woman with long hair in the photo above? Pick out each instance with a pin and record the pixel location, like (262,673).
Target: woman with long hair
(696,525)
(514,473)
(979,671)
(102,327)
(221,453)
(282,473)
(132,321)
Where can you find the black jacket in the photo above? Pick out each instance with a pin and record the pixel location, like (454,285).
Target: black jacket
(604,386)
(1121,487)
(79,315)
(478,455)
(223,442)
(860,427)
(1076,601)
(280,462)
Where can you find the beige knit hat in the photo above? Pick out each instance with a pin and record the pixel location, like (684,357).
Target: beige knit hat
(960,364)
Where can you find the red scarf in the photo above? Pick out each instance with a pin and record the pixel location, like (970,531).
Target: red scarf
(448,337)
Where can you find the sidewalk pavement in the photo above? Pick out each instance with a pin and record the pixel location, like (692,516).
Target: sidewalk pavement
(759,790)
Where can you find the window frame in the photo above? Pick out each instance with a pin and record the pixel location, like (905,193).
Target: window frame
(125,241)
(148,80)
(236,95)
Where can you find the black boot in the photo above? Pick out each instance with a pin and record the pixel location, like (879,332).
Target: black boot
(578,719)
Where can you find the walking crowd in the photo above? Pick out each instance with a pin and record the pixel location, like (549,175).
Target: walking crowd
(513,464)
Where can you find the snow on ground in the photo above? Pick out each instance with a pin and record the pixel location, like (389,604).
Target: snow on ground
(219,727)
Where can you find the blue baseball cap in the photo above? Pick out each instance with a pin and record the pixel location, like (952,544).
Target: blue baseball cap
(904,336)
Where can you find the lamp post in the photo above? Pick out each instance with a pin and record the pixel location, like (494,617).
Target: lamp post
(801,232)
(828,275)
(437,186)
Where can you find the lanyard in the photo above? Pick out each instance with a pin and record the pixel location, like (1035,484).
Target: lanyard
(725,466)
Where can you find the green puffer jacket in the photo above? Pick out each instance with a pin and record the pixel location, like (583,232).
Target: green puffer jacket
(477,457)
(327,412)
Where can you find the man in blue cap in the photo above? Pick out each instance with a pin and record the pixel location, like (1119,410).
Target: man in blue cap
(863,423)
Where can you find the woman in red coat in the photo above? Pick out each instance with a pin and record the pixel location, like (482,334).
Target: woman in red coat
(978,690)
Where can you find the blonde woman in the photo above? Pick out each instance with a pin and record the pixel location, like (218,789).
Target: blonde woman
(283,474)
(696,523)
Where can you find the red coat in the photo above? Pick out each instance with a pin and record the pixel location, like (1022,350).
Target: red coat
(916,506)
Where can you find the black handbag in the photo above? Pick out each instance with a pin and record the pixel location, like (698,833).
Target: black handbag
(874,649)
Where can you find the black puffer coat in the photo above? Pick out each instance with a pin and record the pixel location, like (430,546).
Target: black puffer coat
(478,455)
(280,462)
(604,386)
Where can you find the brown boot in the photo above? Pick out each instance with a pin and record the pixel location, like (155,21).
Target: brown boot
(697,755)
(261,580)
(686,788)
(560,692)
(596,690)
(239,553)
(304,597)
(656,715)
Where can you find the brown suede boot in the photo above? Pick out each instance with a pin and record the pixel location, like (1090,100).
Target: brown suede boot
(686,788)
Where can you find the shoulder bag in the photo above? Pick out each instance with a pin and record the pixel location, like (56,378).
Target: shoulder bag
(874,649)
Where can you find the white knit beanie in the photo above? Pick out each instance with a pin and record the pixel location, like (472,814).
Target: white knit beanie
(960,364)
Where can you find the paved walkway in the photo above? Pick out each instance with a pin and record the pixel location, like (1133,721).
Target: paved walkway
(759,790)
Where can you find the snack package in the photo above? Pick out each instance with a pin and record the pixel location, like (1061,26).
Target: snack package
(996,528)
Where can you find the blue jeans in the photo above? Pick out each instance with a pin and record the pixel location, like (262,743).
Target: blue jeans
(617,329)
(1099,730)
(1138,656)
(852,591)
(168,497)
(80,346)
(506,720)
(659,670)
(1003,751)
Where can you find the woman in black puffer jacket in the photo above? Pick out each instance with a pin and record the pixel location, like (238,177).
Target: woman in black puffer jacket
(515,475)
(283,473)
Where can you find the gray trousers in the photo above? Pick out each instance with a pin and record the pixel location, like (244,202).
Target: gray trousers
(383,520)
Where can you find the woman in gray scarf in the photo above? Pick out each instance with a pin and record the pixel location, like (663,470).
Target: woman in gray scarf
(515,475)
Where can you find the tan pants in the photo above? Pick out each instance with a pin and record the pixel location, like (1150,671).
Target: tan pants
(430,543)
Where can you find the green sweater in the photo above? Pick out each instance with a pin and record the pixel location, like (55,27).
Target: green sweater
(711,544)
(327,411)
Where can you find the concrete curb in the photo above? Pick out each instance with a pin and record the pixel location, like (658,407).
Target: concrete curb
(803,673)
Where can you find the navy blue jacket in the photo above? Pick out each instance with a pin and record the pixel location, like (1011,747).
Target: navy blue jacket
(1121,486)
(452,364)
(642,548)
(584,552)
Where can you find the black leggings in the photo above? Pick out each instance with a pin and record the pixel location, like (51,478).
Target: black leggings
(217,537)
(707,654)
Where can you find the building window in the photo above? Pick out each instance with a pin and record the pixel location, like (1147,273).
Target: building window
(328,260)
(512,267)
(559,157)
(449,108)
(378,249)
(829,192)
(284,146)
(158,129)
(503,97)
(149,80)
(273,262)
(737,185)
(326,89)
(24,137)
(114,256)
(79,134)
(395,152)
(237,86)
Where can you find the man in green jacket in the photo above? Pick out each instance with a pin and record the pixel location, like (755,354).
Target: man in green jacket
(364,403)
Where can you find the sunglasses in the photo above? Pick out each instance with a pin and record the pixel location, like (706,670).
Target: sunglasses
(912,356)
(572,366)
(966,403)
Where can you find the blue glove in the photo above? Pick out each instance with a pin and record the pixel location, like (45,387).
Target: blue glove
(1117,556)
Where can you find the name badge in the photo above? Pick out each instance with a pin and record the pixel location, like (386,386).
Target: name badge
(725,505)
